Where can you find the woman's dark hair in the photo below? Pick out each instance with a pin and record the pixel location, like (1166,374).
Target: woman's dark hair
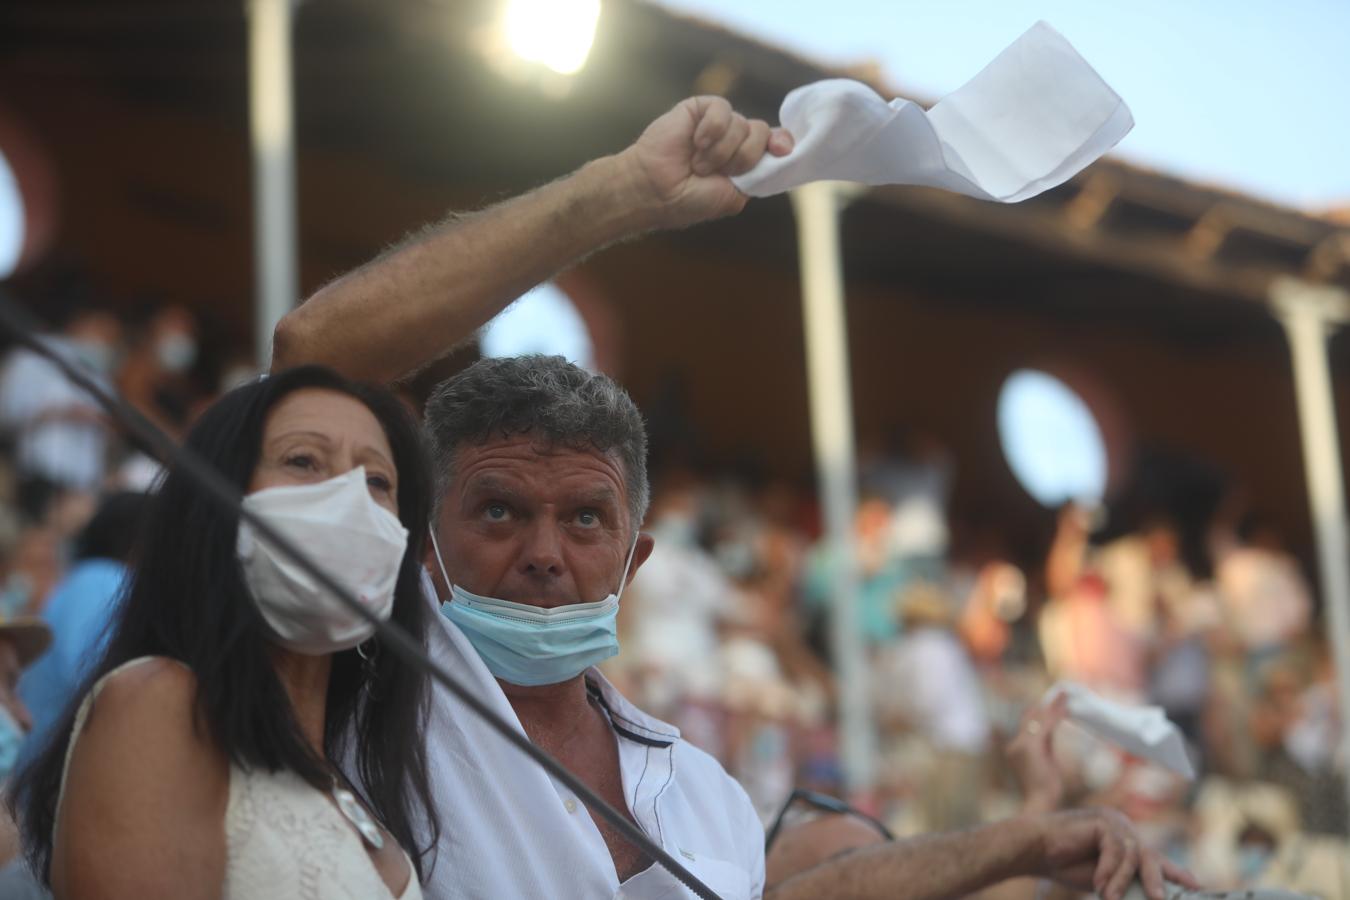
(187,600)
(111,533)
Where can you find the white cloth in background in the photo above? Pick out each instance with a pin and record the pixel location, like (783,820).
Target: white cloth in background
(1143,731)
(929,680)
(1313,740)
(33,392)
(140,473)
(674,605)
(1032,119)
(509,830)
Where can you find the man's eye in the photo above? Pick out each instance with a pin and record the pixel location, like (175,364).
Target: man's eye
(588,517)
(496,512)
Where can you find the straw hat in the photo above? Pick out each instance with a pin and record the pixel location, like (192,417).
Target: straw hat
(924,603)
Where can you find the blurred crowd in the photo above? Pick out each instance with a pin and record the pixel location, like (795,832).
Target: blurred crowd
(72,490)
(726,629)
(726,633)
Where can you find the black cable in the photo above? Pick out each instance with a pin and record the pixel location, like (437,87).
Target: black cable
(22,326)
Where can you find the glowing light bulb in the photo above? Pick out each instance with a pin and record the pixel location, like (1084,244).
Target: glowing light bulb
(554,33)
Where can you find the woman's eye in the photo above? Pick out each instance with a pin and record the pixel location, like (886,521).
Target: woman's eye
(300,461)
(380,483)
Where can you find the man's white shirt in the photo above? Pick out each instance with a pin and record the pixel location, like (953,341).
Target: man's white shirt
(510,830)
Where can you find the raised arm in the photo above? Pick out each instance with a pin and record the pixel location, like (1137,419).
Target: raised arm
(1088,850)
(415,303)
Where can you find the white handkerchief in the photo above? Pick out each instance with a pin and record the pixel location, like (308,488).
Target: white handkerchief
(1032,119)
(1144,731)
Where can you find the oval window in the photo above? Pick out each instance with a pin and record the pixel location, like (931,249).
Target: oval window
(542,321)
(12,219)
(1051,440)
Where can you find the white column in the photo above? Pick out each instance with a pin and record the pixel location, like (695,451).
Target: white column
(817,207)
(1310,313)
(276,282)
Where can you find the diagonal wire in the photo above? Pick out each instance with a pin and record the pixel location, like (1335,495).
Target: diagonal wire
(25,330)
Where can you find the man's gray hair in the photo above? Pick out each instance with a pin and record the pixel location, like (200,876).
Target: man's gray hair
(548,398)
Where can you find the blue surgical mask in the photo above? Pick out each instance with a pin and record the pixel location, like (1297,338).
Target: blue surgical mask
(12,737)
(15,595)
(530,645)
(1252,861)
(95,355)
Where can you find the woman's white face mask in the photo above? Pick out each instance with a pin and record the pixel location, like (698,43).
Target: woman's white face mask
(350,536)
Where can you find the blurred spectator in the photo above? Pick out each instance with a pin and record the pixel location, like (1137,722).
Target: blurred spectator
(1295,725)
(1308,864)
(1068,553)
(951,675)
(21,641)
(31,569)
(915,479)
(154,377)
(672,609)
(1145,576)
(1266,600)
(927,682)
(998,598)
(1179,673)
(81,608)
(1250,836)
(883,574)
(61,436)
(1083,642)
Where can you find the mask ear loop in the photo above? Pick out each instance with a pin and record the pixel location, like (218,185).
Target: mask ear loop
(431,531)
(623,581)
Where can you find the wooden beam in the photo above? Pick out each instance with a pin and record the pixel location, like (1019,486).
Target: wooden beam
(1327,259)
(1207,235)
(1092,202)
(1051,231)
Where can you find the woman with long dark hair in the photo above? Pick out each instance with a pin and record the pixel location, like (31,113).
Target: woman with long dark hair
(203,758)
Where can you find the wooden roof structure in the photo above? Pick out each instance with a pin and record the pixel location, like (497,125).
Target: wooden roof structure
(1152,287)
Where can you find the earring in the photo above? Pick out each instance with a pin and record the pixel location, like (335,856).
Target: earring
(369,653)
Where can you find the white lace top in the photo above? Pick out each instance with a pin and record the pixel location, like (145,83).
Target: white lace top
(283,838)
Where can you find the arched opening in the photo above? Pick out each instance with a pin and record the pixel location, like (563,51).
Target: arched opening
(543,321)
(27,196)
(1053,443)
(13,219)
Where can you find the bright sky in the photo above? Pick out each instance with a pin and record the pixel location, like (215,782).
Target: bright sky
(1248,94)
(542,321)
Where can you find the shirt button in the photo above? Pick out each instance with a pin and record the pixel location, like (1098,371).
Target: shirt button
(570,805)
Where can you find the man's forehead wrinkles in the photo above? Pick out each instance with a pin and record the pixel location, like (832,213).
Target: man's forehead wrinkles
(586,480)
(522,459)
(491,482)
(591,486)
(596,494)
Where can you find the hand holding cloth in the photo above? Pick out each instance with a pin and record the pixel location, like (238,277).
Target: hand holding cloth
(1032,119)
